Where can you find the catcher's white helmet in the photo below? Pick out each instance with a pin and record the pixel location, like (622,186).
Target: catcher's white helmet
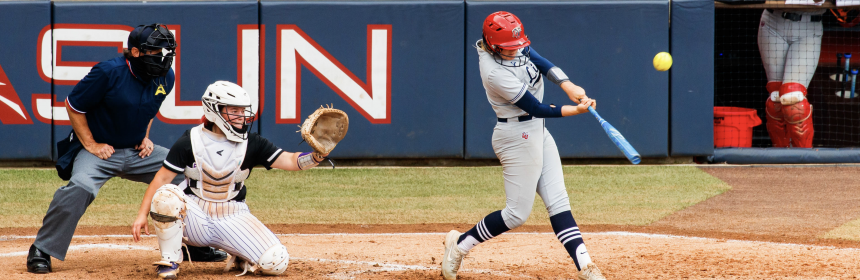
(223,93)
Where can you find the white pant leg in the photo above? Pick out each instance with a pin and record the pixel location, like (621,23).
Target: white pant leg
(198,226)
(519,147)
(229,226)
(803,53)
(551,186)
(242,234)
(772,45)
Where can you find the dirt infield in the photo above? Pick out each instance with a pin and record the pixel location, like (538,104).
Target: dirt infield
(767,227)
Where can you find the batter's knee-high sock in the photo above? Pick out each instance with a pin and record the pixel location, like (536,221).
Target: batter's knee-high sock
(491,226)
(568,233)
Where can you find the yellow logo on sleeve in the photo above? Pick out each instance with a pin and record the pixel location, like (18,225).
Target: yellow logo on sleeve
(160,90)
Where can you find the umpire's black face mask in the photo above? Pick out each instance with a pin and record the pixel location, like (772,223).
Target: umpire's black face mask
(152,65)
(157,64)
(156,46)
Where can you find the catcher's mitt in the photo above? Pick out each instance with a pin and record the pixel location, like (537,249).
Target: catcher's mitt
(324,129)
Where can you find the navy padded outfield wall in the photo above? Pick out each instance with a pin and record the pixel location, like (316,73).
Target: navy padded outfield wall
(210,38)
(396,68)
(25,133)
(692,125)
(604,46)
(404,71)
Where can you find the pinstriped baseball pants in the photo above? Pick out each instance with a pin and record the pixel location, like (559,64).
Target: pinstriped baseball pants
(229,226)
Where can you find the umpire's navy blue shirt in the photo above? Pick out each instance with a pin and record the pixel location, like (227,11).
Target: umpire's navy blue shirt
(118,103)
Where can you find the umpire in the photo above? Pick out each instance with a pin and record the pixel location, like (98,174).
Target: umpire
(111,111)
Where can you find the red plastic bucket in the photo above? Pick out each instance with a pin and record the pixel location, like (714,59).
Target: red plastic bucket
(733,126)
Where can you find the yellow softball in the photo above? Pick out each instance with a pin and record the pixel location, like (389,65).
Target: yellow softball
(662,61)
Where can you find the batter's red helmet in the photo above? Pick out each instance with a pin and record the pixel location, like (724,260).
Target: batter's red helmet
(503,30)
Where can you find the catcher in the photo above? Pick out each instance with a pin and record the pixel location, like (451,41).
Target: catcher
(208,208)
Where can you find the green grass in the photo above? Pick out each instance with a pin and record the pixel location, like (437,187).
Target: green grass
(599,195)
(848,231)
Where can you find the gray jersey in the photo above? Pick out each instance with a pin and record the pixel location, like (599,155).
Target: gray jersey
(506,85)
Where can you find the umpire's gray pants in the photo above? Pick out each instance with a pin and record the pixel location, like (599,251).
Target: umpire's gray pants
(89,174)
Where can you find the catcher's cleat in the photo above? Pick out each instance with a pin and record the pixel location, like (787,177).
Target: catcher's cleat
(232,263)
(453,256)
(235,263)
(203,254)
(38,262)
(167,272)
(590,272)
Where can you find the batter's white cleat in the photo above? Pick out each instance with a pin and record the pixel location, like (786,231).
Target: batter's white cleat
(453,256)
(590,272)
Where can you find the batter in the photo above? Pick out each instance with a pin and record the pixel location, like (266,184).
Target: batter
(513,76)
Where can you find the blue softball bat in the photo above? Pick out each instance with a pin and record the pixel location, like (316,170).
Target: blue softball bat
(617,138)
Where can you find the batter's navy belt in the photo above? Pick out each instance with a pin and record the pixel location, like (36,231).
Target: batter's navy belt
(517,119)
(798,17)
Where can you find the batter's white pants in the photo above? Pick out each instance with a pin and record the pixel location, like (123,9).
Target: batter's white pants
(228,226)
(789,49)
(530,164)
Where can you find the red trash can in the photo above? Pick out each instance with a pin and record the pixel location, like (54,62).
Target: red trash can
(733,126)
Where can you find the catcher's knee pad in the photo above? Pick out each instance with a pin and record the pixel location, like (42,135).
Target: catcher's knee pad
(776,123)
(513,219)
(274,261)
(798,118)
(791,93)
(167,210)
(168,205)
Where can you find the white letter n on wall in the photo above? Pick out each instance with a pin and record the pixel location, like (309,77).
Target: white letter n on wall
(371,99)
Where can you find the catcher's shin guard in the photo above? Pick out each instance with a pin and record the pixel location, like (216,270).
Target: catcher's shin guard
(797,114)
(775,122)
(799,124)
(167,210)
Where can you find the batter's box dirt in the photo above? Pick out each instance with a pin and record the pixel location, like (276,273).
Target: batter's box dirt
(511,256)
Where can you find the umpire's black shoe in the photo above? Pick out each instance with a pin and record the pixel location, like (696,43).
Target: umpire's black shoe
(38,261)
(204,254)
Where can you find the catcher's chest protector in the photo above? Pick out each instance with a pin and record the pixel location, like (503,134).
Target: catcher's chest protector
(217,185)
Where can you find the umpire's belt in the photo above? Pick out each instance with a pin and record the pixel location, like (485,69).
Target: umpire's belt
(797,17)
(517,119)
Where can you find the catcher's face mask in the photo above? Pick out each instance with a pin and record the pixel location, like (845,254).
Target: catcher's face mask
(240,118)
(228,105)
